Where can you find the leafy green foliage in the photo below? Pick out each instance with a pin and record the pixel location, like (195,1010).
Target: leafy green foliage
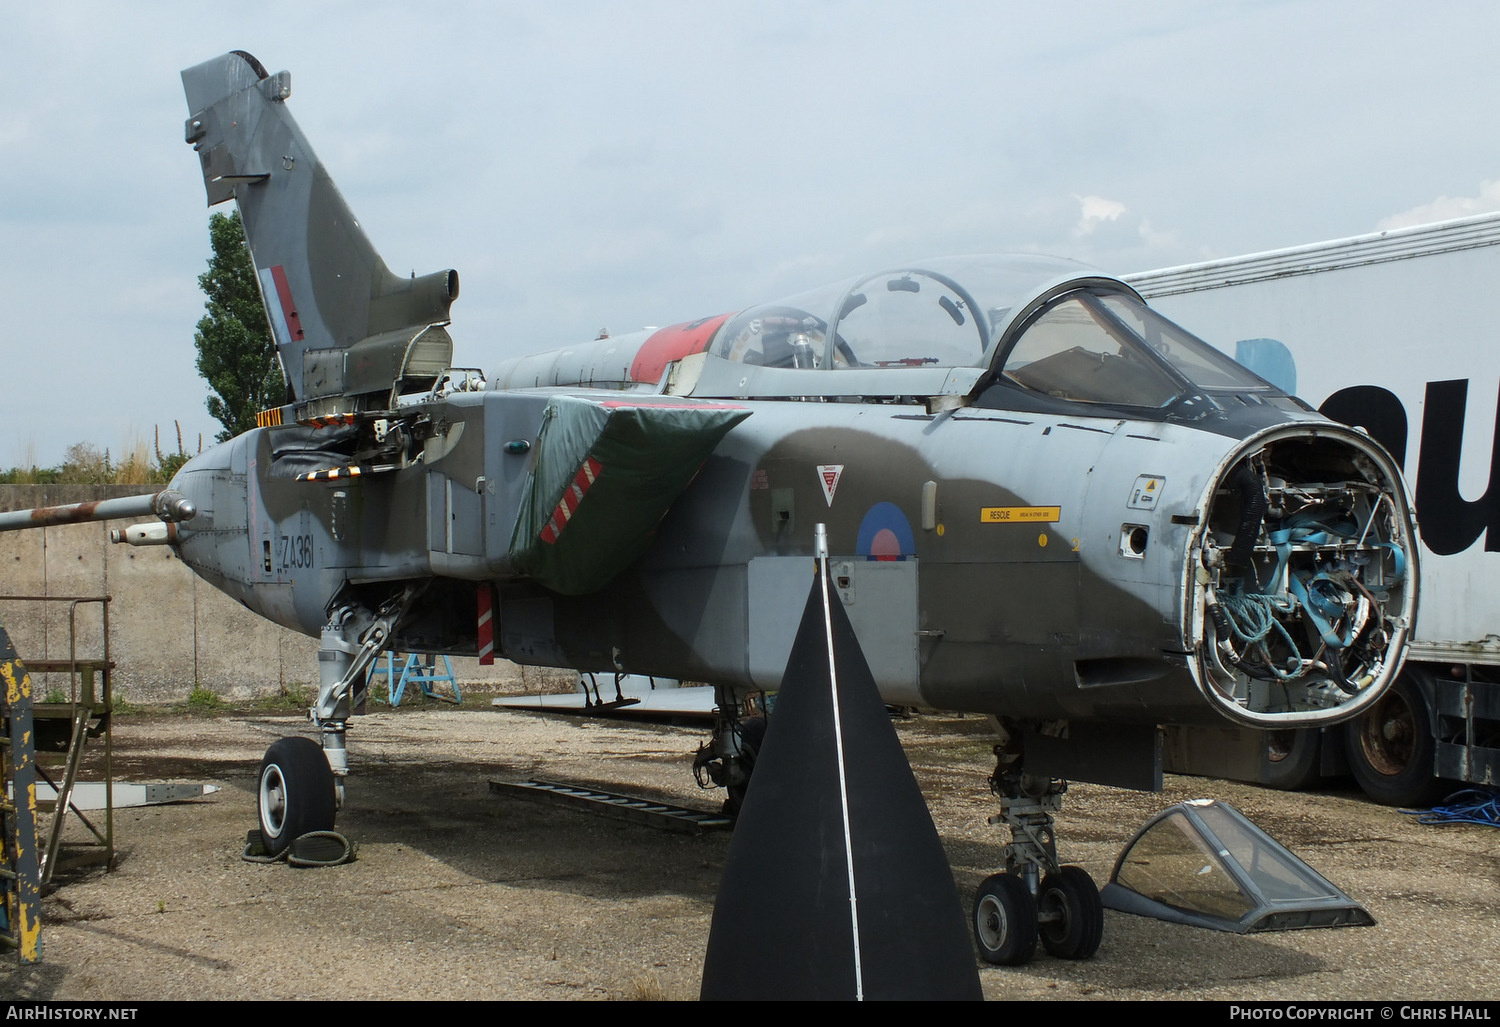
(84,464)
(31,475)
(120,706)
(289,697)
(202,700)
(236,353)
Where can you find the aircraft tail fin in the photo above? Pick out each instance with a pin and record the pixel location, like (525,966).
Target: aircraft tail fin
(350,334)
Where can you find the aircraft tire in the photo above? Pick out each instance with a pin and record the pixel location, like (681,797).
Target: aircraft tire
(1289,760)
(296,793)
(1072,898)
(1005,921)
(1390,748)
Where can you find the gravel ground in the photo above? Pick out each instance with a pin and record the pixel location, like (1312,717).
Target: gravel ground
(462,894)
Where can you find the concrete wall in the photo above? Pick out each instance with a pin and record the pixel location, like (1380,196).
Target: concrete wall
(168,629)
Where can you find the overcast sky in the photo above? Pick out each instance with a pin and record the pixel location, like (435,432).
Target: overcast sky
(591,165)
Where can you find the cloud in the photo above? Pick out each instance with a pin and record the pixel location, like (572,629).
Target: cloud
(1445,207)
(1094,211)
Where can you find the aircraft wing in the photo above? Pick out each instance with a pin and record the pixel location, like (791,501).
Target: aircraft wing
(629,457)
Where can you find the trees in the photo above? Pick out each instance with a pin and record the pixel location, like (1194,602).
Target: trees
(85,464)
(236,353)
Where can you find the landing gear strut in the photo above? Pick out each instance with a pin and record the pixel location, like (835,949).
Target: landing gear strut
(1036,897)
(301,785)
(728,758)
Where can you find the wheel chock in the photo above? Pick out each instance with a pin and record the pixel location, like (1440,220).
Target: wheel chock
(320,849)
(314,849)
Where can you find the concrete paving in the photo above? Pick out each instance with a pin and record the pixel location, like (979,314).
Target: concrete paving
(459,894)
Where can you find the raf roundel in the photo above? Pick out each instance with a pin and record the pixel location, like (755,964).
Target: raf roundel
(885,534)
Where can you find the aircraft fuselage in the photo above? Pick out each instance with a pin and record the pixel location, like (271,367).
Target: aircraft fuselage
(1036,565)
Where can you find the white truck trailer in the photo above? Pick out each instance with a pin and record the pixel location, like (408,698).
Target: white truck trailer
(1397,332)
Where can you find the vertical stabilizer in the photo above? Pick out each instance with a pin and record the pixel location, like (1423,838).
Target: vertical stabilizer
(349,332)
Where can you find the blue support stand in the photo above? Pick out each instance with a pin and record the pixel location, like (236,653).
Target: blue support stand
(382,666)
(422,670)
(415,670)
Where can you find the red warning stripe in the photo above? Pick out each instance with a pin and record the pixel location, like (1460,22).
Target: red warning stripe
(571,497)
(486,625)
(288,308)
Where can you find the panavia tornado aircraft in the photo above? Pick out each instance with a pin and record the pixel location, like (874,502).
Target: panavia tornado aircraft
(1043,501)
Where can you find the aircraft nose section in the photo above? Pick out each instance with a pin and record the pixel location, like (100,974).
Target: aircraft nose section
(173,506)
(1303,585)
(193,485)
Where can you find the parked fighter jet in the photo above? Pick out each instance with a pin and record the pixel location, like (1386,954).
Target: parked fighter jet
(1045,502)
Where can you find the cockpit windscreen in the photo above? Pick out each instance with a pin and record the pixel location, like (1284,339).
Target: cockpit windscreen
(1046,325)
(1092,346)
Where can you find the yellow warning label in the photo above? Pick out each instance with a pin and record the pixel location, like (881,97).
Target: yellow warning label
(1019,514)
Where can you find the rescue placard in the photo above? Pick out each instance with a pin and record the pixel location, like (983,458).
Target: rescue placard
(1019,514)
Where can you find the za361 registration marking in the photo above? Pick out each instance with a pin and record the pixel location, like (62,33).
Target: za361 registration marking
(296,551)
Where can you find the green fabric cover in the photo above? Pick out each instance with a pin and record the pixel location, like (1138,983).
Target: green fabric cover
(646,451)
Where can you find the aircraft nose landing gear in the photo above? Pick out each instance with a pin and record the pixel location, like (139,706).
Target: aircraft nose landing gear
(1036,898)
(1067,917)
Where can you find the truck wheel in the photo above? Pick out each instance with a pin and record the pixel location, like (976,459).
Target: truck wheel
(1391,746)
(1289,760)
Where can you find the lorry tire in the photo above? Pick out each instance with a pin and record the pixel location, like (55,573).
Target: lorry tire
(1289,759)
(1391,746)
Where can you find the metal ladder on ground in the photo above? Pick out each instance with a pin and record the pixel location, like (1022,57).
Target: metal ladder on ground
(665,815)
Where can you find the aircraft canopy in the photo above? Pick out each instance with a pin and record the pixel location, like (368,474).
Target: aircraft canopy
(1049,325)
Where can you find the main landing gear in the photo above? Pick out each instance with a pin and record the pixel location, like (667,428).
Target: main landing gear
(1036,898)
(728,758)
(302,784)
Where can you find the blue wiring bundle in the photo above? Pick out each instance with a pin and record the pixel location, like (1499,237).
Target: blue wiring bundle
(1469,806)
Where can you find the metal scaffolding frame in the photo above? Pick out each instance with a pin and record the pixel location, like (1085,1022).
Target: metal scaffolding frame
(84,716)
